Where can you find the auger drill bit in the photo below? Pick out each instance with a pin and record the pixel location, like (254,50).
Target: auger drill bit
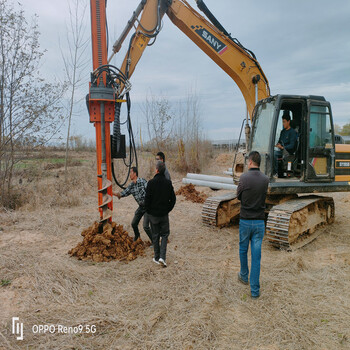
(106,198)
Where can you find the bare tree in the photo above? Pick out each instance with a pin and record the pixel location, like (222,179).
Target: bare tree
(337,128)
(29,106)
(159,119)
(74,59)
(345,130)
(178,130)
(189,134)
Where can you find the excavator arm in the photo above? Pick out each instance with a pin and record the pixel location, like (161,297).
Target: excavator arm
(238,62)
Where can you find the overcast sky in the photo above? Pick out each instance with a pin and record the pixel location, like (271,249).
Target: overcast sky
(303,46)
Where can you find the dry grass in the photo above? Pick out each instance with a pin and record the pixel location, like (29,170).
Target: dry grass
(196,303)
(191,156)
(40,181)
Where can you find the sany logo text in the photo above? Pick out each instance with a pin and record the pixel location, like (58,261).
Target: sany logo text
(210,39)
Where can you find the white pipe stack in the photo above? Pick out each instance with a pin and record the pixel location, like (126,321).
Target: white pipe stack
(228,172)
(215,182)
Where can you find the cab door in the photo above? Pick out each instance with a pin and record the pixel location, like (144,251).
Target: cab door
(320,152)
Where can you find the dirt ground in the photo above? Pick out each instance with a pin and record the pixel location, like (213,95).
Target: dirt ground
(195,303)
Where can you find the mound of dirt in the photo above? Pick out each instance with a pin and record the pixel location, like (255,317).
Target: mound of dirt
(191,194)
(50,166)
(224,159)
(113,243)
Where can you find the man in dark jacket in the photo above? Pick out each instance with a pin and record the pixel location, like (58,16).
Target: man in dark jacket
(160,200)
(251,191)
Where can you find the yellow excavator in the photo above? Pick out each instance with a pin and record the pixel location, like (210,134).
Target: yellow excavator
(317,165)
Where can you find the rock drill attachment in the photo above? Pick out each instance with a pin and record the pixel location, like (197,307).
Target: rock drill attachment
(106,199)
(101,106)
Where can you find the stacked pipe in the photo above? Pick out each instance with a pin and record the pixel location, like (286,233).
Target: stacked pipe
(228,172)
(214,182)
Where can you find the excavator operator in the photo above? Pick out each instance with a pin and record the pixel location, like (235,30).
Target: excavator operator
(287,141)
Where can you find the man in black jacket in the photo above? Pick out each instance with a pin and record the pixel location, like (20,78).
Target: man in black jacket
(160,200)
(251,191)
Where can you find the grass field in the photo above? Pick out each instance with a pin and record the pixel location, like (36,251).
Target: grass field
(195,303)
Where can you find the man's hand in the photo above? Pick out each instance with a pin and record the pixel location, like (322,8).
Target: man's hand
(279,146)
(117,194)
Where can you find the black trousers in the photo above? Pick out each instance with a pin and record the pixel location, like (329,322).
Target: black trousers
(160,230)
(139,213)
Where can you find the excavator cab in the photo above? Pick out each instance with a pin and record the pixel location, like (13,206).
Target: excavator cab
(313,156)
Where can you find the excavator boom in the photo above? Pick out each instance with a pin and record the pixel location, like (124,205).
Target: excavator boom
(238,62)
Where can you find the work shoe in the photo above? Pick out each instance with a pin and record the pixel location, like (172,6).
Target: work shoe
(156,261)
(163,262)
(241,279)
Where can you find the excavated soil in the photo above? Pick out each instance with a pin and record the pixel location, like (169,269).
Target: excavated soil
(191,194)
(110,242)
(224,159)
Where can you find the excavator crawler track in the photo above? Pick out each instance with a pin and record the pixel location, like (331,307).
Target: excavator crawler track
(293,224)
(221,210)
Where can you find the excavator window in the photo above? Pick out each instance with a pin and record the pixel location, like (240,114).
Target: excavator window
(261,128)
(320,127)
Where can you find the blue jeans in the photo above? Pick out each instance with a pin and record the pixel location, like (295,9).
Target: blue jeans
(251,230)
